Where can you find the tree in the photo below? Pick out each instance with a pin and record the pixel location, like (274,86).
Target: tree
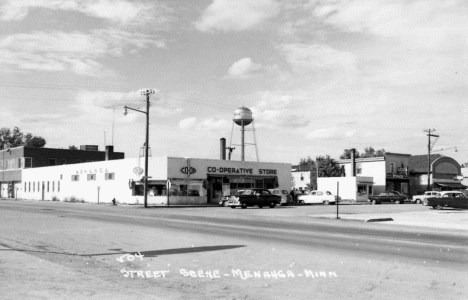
(14,138)
(347,154)
(72,147)
(371,152)
(368,152)
(327,167)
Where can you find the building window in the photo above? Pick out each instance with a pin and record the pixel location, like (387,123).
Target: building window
(38,186)
(53,186)
(302,177)
(358,168)
(91,177)
(392,168)
(63,161)
(75,177)
(29,186)
(20,165)
(34,186)
(110,176)
(52,162)
(47,186)
(27,162)
(25,186)
(58,186)
(61,176)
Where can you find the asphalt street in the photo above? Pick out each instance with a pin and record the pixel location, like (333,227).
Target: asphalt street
(366,260)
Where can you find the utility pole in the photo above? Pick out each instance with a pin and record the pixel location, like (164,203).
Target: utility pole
(429,148)
(147,94)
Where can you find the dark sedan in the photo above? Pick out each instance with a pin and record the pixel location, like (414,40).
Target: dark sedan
(389,196)
(254,197)
(452,199)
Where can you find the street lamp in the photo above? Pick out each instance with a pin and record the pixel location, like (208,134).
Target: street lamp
(147,94)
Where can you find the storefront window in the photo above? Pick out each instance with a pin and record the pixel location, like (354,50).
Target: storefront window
(362,190)
(190,190)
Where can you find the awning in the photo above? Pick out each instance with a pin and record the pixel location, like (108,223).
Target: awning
(453,185)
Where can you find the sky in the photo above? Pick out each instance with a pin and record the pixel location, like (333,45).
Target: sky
(319,76)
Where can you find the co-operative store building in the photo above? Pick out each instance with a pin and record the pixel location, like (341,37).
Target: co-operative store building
(172,180)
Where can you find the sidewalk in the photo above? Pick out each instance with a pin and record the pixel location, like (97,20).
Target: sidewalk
(446,218)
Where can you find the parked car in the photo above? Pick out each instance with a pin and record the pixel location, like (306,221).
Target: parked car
(454,199)
(419,199)
(224,200)
(389,196)
(254,197)
(284,194)
(324,197)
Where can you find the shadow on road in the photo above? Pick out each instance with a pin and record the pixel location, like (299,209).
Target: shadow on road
(152,253)
(155,253)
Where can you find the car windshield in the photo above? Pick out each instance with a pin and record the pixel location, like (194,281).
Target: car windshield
(275,192)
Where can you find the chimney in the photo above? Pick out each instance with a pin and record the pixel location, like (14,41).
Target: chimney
(353,162)
(109,152)
(222,148)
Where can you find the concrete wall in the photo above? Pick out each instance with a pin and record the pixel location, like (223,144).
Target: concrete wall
(347,186)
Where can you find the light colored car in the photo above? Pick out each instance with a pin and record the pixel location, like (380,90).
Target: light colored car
(285,196)
(419,199)
(324,197)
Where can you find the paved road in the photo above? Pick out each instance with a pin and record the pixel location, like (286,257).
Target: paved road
(84,242)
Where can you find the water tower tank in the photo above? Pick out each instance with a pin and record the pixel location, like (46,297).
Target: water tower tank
(243,116)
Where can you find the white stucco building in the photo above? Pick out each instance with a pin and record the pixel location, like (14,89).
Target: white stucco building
(172,180)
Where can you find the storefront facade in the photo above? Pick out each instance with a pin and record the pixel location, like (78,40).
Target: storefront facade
(172,180)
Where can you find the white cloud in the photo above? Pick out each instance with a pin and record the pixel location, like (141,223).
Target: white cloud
(229,15)
(244,68)
(187,123)
(77,52)
(117,11)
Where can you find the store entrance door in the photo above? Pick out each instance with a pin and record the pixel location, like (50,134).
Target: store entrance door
(214,189)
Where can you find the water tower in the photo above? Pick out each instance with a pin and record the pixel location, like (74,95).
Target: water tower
(243,117)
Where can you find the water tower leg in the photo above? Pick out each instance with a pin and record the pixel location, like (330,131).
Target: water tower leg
(255,141)
(243,142)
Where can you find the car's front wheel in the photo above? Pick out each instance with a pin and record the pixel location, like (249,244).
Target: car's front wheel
(244,205)
(272,204)
(438,206)
(397,202)
(418,201)
(233,207)
(326,202)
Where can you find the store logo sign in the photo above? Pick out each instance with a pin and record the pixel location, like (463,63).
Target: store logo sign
(187,170)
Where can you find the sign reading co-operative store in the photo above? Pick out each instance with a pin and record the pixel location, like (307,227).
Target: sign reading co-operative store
(231,170)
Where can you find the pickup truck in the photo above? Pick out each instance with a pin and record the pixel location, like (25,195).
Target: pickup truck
(454,199)
(420,199)
(389,196)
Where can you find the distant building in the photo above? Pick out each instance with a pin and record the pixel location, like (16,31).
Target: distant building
(301,177)
(389,172)
(15,160)
(464,174)
(445,173)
